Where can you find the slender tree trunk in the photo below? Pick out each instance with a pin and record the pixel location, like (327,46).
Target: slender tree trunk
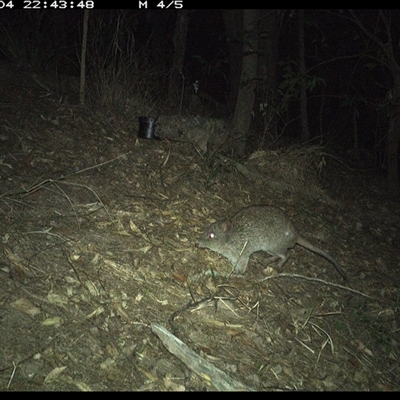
(234,25)
(245,101)
(179,41)
(267,69)
(305,131)
(393,141)
(61,38)
(83,58)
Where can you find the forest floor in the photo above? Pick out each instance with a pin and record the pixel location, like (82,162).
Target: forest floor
(98,232)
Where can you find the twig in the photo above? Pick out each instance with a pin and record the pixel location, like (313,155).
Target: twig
(47,232)
(12,374)
(90,189)
(66,196)
(57,182)
(99,165)
(207,371)
(307,278)
(37,186)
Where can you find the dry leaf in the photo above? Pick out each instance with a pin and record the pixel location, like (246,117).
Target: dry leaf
(25,306)
(55,321)
(53,374)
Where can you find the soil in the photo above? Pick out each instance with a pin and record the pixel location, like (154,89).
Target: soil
(98,232)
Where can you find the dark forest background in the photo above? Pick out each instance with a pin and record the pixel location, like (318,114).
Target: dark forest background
(327,77)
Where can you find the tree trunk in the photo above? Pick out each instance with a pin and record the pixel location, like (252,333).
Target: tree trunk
(305,131)
(267,67)
(83,58)
(393,141)
(234,25)
(245,101)
(179,41)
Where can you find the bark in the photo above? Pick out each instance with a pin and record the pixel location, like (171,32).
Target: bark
(83,58)
(234,25)
(176,82)
(393,141)
(245,101)
(267,69)
(305,131)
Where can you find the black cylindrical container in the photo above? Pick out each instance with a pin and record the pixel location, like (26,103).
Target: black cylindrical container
(147,128)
